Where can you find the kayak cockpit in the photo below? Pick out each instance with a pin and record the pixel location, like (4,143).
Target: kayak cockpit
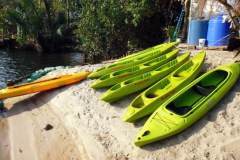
(130,70)
(158,91)
(190,99)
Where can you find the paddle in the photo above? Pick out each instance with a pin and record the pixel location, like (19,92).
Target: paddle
(13,82)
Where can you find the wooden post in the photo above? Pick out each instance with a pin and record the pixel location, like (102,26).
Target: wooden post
(186,19)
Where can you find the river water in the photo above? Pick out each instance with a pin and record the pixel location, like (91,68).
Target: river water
(14,65)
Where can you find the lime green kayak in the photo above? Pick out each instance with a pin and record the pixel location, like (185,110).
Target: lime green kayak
(189,105)
(122,75)
(140,53)
(133,61)
(147,102)
(143,81)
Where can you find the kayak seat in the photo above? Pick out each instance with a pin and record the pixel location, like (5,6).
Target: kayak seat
(183,104)
(205,91)
(179,110)
(186,101)
(138,103)
(214,79)
(183,72)
(158,89)
(210,83)
(151,95)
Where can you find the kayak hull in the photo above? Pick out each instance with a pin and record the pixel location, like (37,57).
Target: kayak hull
(44,85)
(189,105)
(148,101)
(133,60)
(125,74)
(143,81)
(140,53)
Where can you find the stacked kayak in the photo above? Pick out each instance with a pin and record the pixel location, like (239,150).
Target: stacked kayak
(140,53)
(133,60)
(148,101)
(188,105)
(172,96)
(122,75)
(143,81)
(43,85)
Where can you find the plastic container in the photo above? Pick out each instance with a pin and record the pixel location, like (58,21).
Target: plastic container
(202,43)
(197,30)
(218,31)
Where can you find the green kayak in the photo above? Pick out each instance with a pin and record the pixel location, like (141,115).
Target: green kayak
(122,75)
(143,81)
(147,102)
(140,53)
(189,105)
(133,61)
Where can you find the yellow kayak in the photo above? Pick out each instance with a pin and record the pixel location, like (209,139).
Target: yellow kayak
(43,85)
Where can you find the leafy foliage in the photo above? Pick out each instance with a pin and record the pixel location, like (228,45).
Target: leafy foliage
(28,17)
(105,28)
(42,21)
(108,28)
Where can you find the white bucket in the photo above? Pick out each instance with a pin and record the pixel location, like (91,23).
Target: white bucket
(201,43)
(178,40)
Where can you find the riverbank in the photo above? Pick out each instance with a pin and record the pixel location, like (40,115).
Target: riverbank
(72,123)
(14,65)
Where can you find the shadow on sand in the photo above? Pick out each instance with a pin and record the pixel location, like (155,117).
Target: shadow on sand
(37,100)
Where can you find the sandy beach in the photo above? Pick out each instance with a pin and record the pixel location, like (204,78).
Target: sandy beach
(71,123)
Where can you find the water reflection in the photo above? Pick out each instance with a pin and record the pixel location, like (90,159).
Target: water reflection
(17,64)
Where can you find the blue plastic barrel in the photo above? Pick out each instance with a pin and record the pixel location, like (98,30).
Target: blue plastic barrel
(197,29)
(218,31)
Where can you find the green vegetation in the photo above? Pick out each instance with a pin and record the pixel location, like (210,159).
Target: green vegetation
(103,29)
(42,22)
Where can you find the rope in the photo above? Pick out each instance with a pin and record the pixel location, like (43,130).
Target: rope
(223,38)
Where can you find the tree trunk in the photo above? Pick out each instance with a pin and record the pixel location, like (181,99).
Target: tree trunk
(229,7)
(186,19)
(202,4)
(231,10)
(50,25)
